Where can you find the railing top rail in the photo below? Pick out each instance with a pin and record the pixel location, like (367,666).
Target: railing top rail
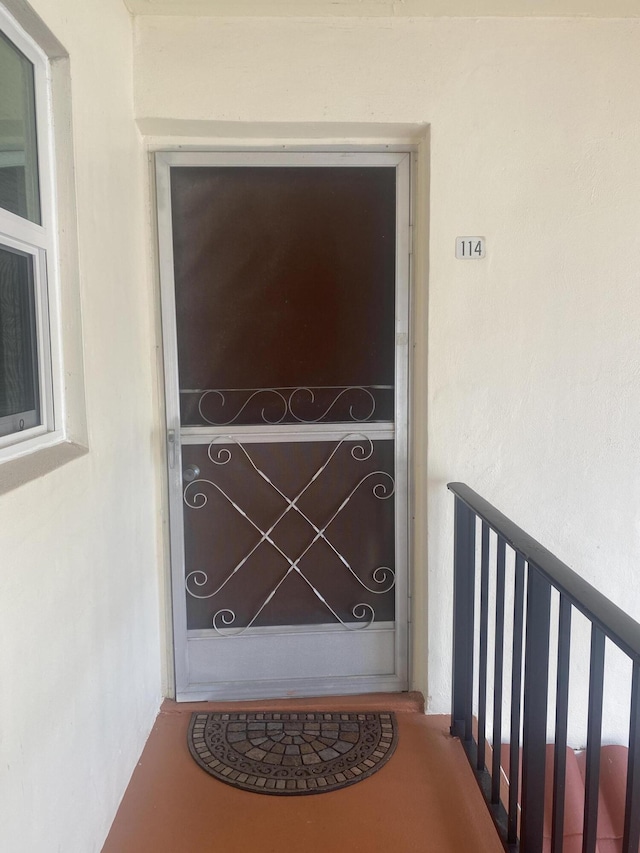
(614,622)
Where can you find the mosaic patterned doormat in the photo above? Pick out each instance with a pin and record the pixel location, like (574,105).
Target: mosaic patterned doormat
(292,754)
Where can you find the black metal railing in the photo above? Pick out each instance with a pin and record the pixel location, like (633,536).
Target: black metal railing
(534,573)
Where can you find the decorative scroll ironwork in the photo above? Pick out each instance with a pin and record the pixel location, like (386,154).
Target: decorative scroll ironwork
(382,576)
(301,404)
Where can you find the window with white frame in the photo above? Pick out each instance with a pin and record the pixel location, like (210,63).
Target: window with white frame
(28,398)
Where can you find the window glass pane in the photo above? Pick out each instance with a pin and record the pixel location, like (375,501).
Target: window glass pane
(19,404)
(19,192)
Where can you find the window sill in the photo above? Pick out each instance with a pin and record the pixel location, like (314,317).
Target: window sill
(23,469)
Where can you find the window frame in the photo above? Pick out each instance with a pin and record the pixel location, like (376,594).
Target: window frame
(39,241)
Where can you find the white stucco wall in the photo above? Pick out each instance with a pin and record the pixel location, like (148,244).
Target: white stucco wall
(532,378)
(389,8)
(79,655)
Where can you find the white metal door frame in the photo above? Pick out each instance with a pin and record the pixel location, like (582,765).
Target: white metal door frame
(192,648)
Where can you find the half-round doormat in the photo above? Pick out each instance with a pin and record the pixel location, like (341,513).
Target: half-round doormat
(291,754)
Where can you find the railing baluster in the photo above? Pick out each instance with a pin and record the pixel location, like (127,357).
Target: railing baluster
(498,659)
(482,657)
(536,689)
(631,840)
(562,705)
(516,691)
(464,560)
(594,739)
(531,641)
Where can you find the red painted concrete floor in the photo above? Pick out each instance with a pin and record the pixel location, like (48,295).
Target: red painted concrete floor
(424,800)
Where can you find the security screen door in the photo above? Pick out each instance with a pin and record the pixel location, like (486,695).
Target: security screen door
(285,324)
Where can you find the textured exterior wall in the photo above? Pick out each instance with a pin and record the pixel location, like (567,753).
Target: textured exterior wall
(79,657)
(389,8)
(526,376)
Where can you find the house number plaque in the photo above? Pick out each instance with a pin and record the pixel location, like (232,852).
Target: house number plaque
(470,248)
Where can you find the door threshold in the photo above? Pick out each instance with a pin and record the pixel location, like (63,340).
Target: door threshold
(410,701)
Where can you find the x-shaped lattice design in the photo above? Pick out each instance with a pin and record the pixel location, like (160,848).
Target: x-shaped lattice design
(198,499)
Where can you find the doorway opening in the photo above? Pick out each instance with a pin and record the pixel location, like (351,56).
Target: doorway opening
(285,305)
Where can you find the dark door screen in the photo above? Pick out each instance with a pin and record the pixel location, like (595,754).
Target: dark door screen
(284,279)
(285,307)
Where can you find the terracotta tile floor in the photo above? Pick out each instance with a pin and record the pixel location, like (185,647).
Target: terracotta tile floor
(424,799)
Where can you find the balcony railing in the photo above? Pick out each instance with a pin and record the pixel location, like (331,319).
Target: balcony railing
(492,554)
